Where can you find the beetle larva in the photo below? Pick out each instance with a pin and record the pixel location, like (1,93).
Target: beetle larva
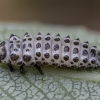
(48,50)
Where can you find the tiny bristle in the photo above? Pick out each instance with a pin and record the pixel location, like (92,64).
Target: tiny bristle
(68,36)
(78,39)
(58,35)
(95,46)
(39,33)
(48,33)
(86,42)
(11,35)
(26,33)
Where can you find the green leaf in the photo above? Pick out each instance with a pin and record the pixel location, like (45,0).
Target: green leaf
(56,83)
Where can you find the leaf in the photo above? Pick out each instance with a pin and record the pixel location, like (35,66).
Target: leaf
(56,83)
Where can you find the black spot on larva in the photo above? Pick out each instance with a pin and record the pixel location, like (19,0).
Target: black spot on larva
(24,46)
(52,60)
(14,57)
(46,55)
(68,36)
(43,59)
(89,64)
(11,46)
(67,41)
(98,56)
(56,47)
(75,59)
(30,45)
(17,41)
(93,61)
(95,46)
(54,64)
(17,45)
(24,40)
(3,55)
(14,38)
(76,43)
(86,42)
(85,46)
(47,46)
(38,54)
(38,62)
(64,65)
(57,39)
(38,45)
(29,39)
(62,61)
(11,41)
(26,34)
(32,63)
(39,38)
(58,35)
(93,52)
(84,53)
(56,56)
(75,50)
(39,33)
(27,50)
(3,49)
(85,60)
(81,64)
(26,58)
(2,43)
(11,35)
(19,63)
(71,62)
(66,58)
(77,39)
(48,33)
(47,38)
(66,49)
(36,58)
(73,66)
(45,63)
(15,50)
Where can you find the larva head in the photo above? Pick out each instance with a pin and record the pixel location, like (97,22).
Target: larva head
(2,50)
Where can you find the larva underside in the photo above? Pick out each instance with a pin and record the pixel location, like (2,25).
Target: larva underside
(48,50)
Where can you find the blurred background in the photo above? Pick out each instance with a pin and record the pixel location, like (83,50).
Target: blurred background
(57,12)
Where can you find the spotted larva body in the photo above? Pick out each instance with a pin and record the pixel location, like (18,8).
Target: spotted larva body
(48,50)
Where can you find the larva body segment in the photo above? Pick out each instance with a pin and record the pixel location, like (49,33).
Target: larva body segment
(48,50)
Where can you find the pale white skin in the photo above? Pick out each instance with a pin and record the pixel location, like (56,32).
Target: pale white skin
(33,50)
(19,50)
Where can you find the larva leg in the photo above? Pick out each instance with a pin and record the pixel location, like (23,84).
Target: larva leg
(39,69)
(21,69)
(10,67)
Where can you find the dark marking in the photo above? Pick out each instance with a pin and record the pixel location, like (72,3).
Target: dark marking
(81,64)
(57,39)
(27,50)
(39,38)
(38,62)
(46,55)
(71,62)
(39,33)
(62,61)
(56,56)
(29,39)
(45,63)
(85,60)
(85,46)
(43,59)
(93,61)
(11,35)
(10,67)
(47,46)
(38,54)
(24,40)
(68,36)
(58,35)
(2,43)
(64,65)
(66,58)
(73,66)
(48,33)
(98,56)
(14,57)
(18,46)
(84,53)
(21,69)
(77,39)
(52,60)
(11,41)
(36,58)
(17,41)
(30,45)
(24,46)
(14,38)
(47,38)
(19,63)
(95,46)
(26,33)
(76,43)
(86,42)
(38,45)
(93,52)
(32,63)
(11,46)
(75,51)
(89,64)
(67,41)
(54,64)
(56,47)
(75,59)
(26,58)
(15,50)
(66,49)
